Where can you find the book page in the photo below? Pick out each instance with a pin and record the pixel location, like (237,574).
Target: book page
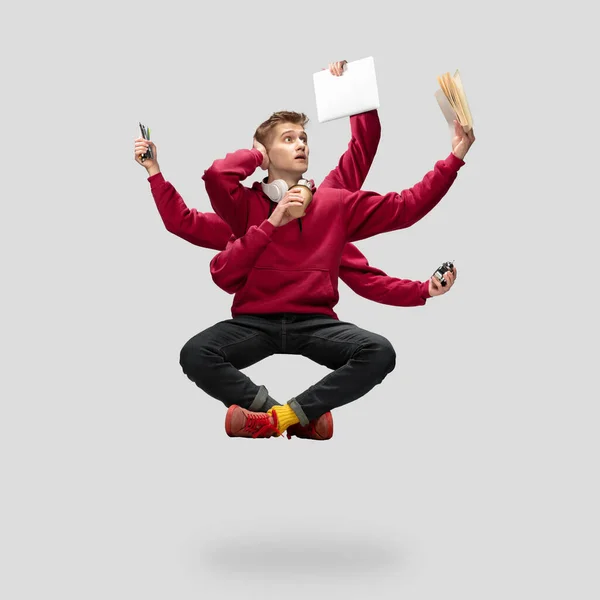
(454,97)
(442,82)
(463,101)
(447,110)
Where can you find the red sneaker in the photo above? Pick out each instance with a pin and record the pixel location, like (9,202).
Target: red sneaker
(240,422)
(317,429)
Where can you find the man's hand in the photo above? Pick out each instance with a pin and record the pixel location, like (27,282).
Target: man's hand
(150,164)
(435,287)
(337,68)
(461,142)
(265,163)
(280,215)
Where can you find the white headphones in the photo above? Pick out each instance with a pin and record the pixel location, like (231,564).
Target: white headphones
(278,188)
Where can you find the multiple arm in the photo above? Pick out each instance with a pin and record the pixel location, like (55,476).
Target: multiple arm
(350,174)
(365,214)
(226,192)
(230,268)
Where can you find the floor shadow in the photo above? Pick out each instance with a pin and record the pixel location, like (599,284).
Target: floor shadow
(295,553)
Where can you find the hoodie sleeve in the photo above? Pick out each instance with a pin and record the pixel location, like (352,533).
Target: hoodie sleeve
(373,284)
(367,214)
(201,229)
(354,165)
(226,193)
(230,268)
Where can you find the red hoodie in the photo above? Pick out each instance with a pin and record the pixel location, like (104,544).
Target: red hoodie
(207,230)
(286,269)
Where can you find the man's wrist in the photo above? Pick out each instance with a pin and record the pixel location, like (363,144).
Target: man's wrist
(268,227)
(425,290)
(153,170)
(459,154)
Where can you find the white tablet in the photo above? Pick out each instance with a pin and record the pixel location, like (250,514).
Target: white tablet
(353,92)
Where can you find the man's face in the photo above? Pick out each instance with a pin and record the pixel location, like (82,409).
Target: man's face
(288,148)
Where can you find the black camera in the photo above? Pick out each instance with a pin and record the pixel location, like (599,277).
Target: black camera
(439,274)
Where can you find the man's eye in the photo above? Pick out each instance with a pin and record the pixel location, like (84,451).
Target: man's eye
(288,138)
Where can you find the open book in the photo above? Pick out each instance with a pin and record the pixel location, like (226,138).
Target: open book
(453,101)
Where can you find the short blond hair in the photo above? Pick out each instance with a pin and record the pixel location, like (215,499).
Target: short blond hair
(264,130)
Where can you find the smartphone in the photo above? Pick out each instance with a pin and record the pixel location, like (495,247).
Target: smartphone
(146,136)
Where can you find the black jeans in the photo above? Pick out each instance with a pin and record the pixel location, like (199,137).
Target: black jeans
(359,360)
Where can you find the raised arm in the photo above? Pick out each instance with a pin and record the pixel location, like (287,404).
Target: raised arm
(226,193)
(354,165)
(201,229)
(367,213)
(373,284)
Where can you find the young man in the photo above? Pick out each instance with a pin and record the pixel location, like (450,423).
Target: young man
(285,278)
(208,230)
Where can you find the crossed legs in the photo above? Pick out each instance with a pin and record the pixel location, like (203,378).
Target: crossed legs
(359,360)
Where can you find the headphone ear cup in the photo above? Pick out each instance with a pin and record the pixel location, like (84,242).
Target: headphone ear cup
(275,190)
(281,186)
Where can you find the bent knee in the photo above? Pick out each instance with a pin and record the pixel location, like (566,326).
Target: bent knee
(186,355)
(194,352)
(385,355)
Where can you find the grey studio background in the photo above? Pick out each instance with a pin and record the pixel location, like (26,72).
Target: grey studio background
(471,472)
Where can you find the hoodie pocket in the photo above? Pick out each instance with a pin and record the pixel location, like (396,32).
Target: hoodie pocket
(290,287)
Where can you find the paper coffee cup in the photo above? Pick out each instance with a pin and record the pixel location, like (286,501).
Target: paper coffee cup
(306,193)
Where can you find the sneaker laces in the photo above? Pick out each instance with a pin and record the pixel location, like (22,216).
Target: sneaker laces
(260,424)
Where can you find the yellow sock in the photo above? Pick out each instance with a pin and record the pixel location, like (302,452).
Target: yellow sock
(285,416)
